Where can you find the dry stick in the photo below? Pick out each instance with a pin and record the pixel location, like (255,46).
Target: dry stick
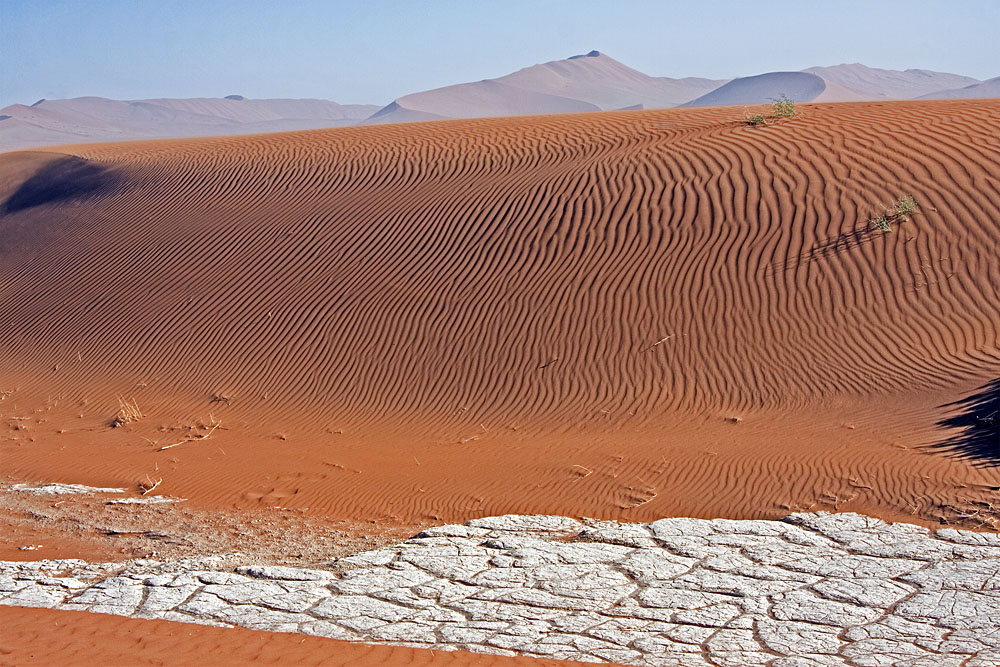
(150,489)
(203,436)
(662,340)
(586,474)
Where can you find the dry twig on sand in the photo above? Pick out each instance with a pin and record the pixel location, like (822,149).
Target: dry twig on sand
(213,425)
(127,413)
(662,340)
(148,487)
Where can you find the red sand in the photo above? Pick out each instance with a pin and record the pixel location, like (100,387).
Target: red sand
(439,321)
(625,315)
(47,637)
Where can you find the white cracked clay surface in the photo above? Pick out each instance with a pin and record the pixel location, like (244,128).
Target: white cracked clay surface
(812,589)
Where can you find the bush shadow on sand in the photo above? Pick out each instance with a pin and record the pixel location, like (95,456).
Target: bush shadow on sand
(64,179)
(979,421)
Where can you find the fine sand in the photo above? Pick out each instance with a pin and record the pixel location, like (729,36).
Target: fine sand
(623,315)
(49,637)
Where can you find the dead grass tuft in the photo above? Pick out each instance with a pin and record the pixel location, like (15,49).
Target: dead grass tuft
(128,412)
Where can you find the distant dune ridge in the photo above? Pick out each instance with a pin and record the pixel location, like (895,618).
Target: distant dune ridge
(876,83)
(988,88)
(89,119)
(617,314)
(842,83)
(590,82)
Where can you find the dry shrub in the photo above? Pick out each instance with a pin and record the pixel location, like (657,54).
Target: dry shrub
(128,412)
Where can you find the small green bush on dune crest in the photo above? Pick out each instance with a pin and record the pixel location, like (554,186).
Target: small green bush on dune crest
(783,107)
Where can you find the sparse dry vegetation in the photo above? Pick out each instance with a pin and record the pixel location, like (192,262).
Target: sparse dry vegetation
(128,412)
(149,485)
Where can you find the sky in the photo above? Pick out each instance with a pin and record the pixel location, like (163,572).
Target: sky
(373,51)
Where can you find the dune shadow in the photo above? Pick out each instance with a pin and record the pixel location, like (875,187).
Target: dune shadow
(979,421)
(64,179)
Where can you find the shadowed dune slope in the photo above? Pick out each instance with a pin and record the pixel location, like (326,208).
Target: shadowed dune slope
(762,88)
(514,296)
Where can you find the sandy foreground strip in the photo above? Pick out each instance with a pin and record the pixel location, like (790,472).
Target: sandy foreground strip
(811,589)
(47,637)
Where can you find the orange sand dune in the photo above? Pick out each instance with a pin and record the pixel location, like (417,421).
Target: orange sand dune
(48,637)
(623,315)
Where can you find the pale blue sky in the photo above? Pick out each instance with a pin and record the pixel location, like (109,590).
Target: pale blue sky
(370,51)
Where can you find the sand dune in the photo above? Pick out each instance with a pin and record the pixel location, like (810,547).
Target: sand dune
(590,82)
(623,315)
(760,89)
(600,80)
(875,83)
(840,83)
(985,89)
(88,119)
(476,100)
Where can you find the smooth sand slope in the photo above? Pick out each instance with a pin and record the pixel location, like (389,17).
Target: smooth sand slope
(622,315)
(762,88)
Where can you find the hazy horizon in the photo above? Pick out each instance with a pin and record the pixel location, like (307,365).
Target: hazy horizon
(374,53)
